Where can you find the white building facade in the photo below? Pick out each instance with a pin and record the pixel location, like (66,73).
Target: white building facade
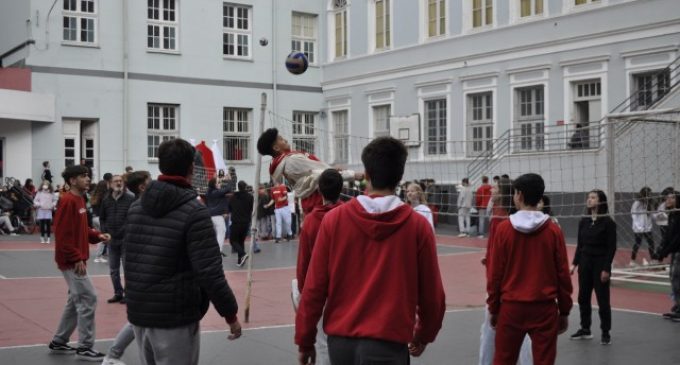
(125,75)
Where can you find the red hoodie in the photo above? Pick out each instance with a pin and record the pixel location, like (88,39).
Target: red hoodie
(483,196)
(376,273)
(529,263)
(307,237)
(71,232)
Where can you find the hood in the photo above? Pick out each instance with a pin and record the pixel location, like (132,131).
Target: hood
(527,221)
(321,210)
(378,217)
(162,197)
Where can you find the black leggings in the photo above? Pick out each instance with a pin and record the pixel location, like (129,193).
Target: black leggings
(45,225)
(589,271)
(638,242)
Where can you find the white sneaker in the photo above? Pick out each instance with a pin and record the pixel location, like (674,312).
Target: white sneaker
(103,260)
(97,259)
(632,264)
(462,235)
(645,262)
(112,361)
(42,239)
(48,240)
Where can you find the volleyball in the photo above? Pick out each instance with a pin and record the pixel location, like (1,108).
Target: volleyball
(296,63)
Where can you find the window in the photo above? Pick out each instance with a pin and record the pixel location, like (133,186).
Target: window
(482,13)
(650,87)
(381,120)
(80,20)
(162,125)
(340,29)
(304,137)
(435,122)
(69,151)
(89,152)
(582,2)
(382,24)
(236,128)
(162,25)
(529,117)
(304,35)
(436,18)
(530,8)
(237,32)
(341,136)
(589,89)
(480,123)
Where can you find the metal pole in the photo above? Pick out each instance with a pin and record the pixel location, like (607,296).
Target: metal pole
(253,216)
(611,165)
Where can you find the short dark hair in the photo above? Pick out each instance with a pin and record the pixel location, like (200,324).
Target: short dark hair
(496,178)
(242,186)
(175,157)
(45,163)
(212,183)
(73,172)
(485,179)
(107,176)
(602,206)
(266,142)
(330,184)
(532,188)
(466,180)
(505,176)
(546,205)
(384,159)
(135,179)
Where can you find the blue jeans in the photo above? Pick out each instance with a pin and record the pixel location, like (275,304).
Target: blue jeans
(115,255)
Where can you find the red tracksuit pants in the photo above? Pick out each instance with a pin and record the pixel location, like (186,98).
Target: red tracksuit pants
(515,320)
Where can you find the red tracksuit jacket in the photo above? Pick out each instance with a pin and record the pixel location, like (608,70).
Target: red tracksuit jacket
(375,273)
(529,267)
(307,238)
(71,232)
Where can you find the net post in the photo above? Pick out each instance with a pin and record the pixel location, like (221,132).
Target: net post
(253,216)
(610,135)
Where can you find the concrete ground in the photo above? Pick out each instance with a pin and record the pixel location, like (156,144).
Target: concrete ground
(34,294)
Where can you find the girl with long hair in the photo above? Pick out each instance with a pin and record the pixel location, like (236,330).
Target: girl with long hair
(416,197)
(642,211)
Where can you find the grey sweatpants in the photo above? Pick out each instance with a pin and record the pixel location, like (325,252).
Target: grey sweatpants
(124,338)
(79,311)
(168,346)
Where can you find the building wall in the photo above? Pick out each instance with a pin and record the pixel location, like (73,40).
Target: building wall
(561,47)
(16,136)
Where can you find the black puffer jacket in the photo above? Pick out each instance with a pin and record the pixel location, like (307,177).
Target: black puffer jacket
(173,266)
(112,214)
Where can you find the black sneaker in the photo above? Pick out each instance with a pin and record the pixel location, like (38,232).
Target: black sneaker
(606,339)
(123,301)
(89,354)
(242,260)
(61,349)
(581,334)
(671,315)
(115,299)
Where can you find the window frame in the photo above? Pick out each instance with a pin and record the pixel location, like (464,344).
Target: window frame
(341,9)
(374,119)
(304,40)
(484,14)
(236,32)
(162,133)
(162,25)
(387,30)
(482,143)
(531,126)
(425,19)
(439,135)
(654,93)
(340,137)
(79,15)
(237,134)
(303,136)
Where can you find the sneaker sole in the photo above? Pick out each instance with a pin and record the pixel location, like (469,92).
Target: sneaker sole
(590,337)
(605,343)
(88,358)
(62,352)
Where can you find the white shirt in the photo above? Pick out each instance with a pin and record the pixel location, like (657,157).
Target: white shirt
(425,211)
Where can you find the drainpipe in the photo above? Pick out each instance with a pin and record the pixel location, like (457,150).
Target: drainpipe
(274,53)
(126,81)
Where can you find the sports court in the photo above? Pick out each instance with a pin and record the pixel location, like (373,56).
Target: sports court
(34,294)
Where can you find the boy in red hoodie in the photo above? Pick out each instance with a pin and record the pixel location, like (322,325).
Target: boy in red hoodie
(374,273)
(71,253)
(330,187)
(301,169)
(528,285)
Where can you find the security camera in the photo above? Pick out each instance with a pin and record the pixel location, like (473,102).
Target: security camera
(264,41)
